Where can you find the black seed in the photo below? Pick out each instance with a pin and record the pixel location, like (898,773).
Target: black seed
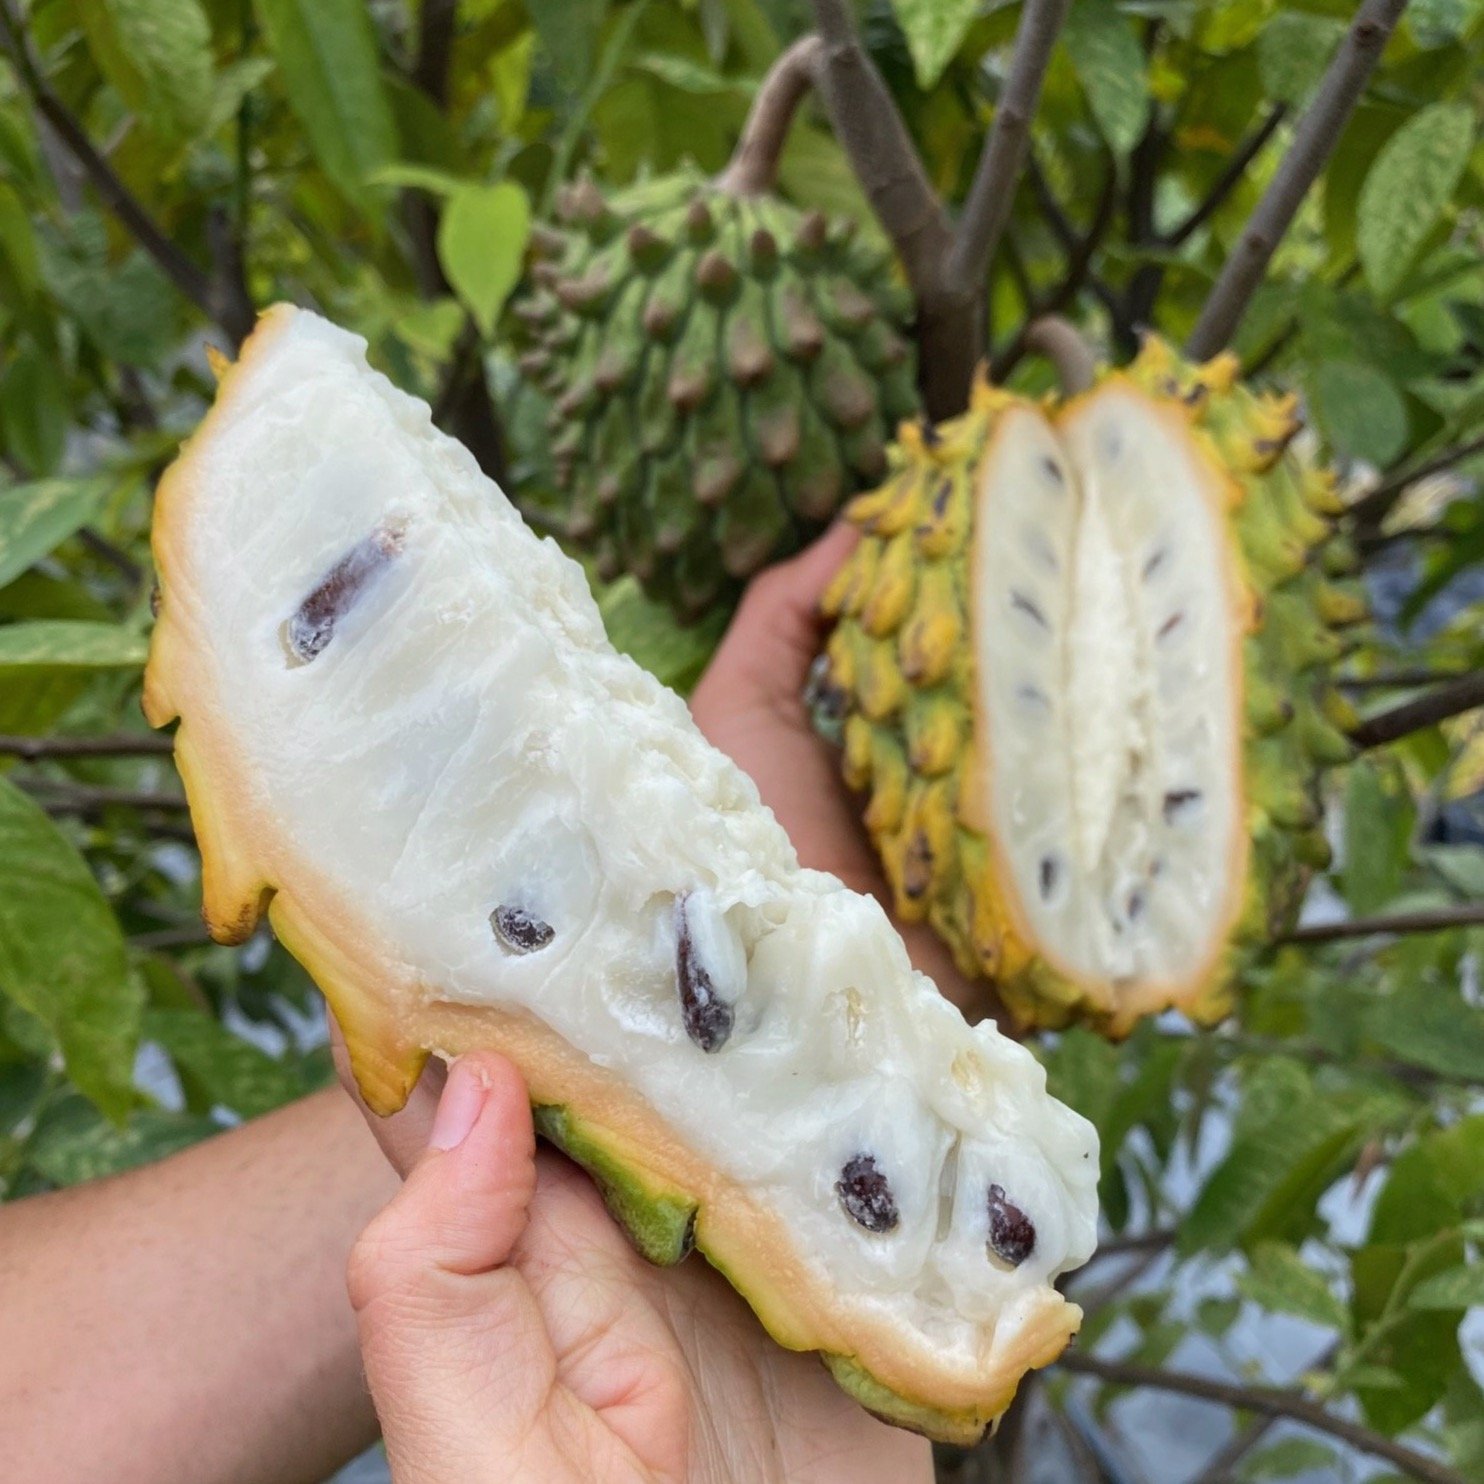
(1135,908)
(1154,563)
(1012,1235)
(866,1196)
(313,626)
(1050,872)
(1029,608)
(707,1017)
(1170,624)
(520,931)
(1051,467)
(1177,801)
(1032,694)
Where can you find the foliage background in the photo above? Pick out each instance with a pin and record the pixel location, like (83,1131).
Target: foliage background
(1294,1201)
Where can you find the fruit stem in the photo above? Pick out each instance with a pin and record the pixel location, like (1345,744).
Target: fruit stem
(753,168)
(1313,142)
(1064,345)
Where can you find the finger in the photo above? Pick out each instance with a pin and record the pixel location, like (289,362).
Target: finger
(455,1350)
(403,1135)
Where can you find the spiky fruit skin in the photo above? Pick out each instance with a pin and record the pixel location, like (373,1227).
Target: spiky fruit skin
(899,676)
(724,372)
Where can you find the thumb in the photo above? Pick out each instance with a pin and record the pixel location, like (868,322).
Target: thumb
(455,1349)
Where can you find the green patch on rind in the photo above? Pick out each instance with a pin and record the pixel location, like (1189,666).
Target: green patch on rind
(659,1221)
(963,1428)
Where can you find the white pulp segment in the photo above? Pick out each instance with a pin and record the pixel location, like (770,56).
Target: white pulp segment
(1109,688)
(468,741)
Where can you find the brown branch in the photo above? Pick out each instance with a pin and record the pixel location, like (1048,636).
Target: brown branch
(993,191)
(84,798)
(1227,181)
(1083,246)
(1452,698)
(175,937)
(1315,138)
(753,168)
(464,408)
(1138,1242)
(116,557)
(1437,920)
(192,281)
(434,50)
(1373,507)
(32,749)
(1268,1401)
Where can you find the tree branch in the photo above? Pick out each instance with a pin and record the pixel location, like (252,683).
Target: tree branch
(1437,920)
(1227,181)
(1315,138)
(754,164)
(993,191)
(192,281)
(84,798)
(1061,343)
(32,749)
(1085,245)
(1269,1401)
(434,50)
(1374,506)
(1397,679)
(1452,698)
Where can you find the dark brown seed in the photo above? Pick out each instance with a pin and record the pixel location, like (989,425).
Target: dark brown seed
(1029,608)
(707,1017)
(1012,1236)
(1170,624)
(1032,695)
(313,625)
(866,1196)
(1050,871)
(519,931)
(1154,563)
(1135,907)
(1053,469)
(1177,801)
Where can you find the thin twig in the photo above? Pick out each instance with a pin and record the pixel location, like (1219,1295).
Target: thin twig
(429,74)
(83,798)
(1435,920)
(1227,181)
(32,749)
(116,557)
(1150,1241)
(192,281)
(1269,1401)
(754,164)
(1077,247)
(175,937)
(1372,507)
(1315,138)
(993,192)
(1396,679)
(1452,698)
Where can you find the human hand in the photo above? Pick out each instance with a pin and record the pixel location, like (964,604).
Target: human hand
(750,704)
(511,1333)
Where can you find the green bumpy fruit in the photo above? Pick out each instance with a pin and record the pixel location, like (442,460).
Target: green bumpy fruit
(724,370)
(1082,671)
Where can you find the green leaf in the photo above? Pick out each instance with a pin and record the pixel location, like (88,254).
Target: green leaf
(1293,51)
(482,244)
(1457,1288)
(36,517)
(1379,818)
(404,176)
(1431,1027)
(74,1144)
(326,54)
(157,53)
(128,309)
(233,1072)
(63,644)
(692,77)
(1407,188)
(62,955)
(1359,409)
(18,252)
(1432,1184)
(1289,1457)
(1280,1280)
(34,409)
(568,31)
(1110,66)
(935,29)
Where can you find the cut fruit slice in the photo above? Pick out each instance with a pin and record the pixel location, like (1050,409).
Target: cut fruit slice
(403,731)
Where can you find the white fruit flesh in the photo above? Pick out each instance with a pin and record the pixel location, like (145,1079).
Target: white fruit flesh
(1110,688)
(464,767)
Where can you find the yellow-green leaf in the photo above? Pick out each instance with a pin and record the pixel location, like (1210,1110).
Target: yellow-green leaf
(481,245)
(935,30)
(157,54)
(34,517)
(64,644)
(1110,66)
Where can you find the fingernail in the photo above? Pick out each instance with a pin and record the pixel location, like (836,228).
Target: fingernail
(458,1108)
